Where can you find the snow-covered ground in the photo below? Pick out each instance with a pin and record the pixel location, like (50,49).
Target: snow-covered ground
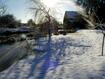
(73,56)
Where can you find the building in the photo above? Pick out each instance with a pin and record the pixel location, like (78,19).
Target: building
(73,21)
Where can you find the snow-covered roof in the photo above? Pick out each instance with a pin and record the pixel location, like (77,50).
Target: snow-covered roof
(71,14)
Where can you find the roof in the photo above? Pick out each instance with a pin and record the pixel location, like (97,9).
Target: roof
(71,14)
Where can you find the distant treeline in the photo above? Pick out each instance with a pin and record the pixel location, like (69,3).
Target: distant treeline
(9,21)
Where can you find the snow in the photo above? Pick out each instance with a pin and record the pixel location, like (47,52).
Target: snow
(72,56)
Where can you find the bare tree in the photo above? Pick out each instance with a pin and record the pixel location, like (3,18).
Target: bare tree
(41,13)
(3,8)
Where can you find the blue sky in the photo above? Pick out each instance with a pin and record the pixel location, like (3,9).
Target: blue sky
(20,9)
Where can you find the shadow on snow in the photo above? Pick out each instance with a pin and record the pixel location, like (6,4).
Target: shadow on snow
(50,54)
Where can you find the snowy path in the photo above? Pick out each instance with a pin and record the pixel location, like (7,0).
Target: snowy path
(74,56)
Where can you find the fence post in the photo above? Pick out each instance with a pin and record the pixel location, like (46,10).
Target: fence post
(103,44)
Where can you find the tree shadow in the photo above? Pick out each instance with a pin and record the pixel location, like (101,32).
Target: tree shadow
(50,55)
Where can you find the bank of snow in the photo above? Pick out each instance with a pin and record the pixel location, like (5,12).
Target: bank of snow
(73,56)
